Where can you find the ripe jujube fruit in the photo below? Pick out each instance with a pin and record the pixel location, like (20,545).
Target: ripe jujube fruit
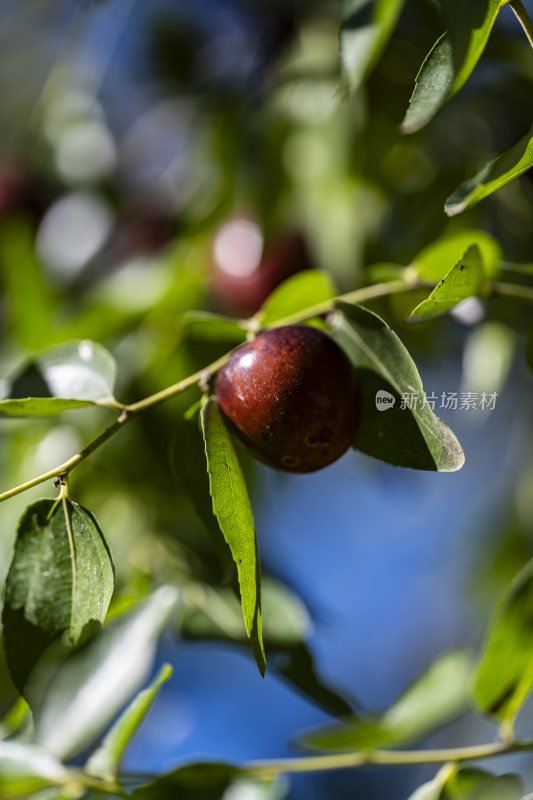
(291,395)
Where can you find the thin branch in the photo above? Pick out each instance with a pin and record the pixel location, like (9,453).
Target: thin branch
(390,758)
(515,290)
(202,377)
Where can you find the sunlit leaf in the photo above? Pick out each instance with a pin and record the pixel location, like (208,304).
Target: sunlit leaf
(497,173)
(505,673)
(71,375)
(59,584)
(304,290)
(25,769)
(366,28)
(105,761)
(412,436)
(440,77)
(231,506)
(93,684)
(15,718)
(465,279)
(435,260)
(438,696)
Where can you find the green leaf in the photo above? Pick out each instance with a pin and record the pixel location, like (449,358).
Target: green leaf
(71,375)
(505,673)
(475,784)
(366,28)
(15,718)
(497,173)
(212,781)
(438,696)
(440,77)
(59,584)
(232,508)
(304,290)
(25,769)
(39,406)
(93,684)
(105,762)
(434,261)
(203,781)
(407,437)
(464,279)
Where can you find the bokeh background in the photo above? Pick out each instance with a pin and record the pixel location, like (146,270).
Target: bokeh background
(161,157)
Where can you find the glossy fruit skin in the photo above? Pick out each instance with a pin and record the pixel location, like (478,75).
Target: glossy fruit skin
(291,395)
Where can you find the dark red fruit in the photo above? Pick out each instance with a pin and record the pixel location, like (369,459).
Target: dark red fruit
(292,397)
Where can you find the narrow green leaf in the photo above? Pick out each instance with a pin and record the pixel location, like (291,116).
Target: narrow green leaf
(59,584)
(207,781)
(95,682)
(40,406)
(497,173)
(14,719)
(232,508)
(435,260)
(412,436)
(105,762)
(25,769)
(438,696)
(505,673)
(465,279)
(366,28)
(440,77)
(304,290)
(71,375)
